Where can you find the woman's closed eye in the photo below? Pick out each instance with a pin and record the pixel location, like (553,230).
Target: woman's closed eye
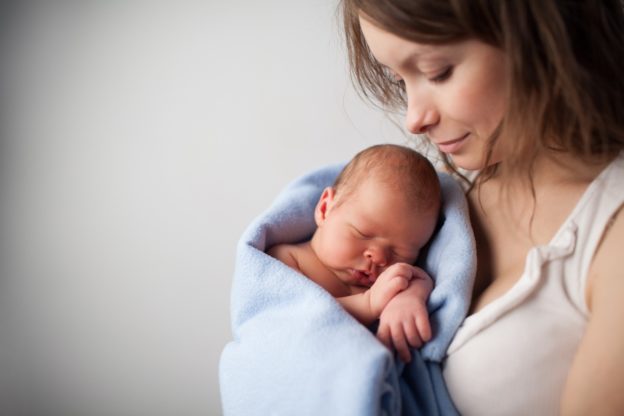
(442,75)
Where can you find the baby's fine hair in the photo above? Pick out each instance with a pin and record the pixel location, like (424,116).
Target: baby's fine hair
(400,168)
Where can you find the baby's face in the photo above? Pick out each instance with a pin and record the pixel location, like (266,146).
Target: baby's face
(370,229)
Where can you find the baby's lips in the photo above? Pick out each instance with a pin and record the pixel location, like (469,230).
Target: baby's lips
(363,277)
(371,276)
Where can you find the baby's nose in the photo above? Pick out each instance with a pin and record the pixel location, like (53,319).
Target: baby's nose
(377,256)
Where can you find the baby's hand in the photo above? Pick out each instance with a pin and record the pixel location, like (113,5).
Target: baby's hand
(390,282)
(404,322)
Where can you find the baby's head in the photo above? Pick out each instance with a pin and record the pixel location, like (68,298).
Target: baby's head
(397,168)
(382,210)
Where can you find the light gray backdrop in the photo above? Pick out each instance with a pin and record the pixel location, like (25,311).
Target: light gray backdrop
(138,140)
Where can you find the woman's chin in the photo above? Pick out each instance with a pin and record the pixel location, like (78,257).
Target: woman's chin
(467,163)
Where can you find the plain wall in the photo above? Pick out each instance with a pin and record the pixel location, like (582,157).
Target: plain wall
(138,141)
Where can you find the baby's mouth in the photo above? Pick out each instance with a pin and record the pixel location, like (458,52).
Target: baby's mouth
(362,277)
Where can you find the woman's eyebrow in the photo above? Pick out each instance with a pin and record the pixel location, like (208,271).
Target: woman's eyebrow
(413,60)
(409,60)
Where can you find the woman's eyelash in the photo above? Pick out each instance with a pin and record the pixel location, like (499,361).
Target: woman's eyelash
(443,76)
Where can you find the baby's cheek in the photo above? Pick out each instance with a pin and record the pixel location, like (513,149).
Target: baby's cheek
(340,253)
(343,253)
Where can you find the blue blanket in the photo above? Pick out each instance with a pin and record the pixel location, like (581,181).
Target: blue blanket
(296,351)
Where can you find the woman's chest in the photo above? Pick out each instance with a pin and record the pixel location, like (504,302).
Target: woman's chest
(505,232)
(500,264)
(519,363)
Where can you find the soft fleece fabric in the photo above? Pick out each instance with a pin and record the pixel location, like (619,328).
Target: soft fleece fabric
(296,351)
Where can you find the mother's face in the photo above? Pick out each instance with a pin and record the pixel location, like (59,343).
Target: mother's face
(456,93)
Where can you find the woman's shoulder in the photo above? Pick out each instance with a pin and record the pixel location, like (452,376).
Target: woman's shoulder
(591,381)
(606,273)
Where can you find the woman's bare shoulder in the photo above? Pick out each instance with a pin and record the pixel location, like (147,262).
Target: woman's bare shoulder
(605,269)
(598,368)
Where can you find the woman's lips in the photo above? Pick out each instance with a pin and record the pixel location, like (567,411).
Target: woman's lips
(452,146)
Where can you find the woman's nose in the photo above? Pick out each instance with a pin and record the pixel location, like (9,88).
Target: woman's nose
(421,114)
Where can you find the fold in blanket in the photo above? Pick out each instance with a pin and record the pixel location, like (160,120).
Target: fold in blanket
(296,351)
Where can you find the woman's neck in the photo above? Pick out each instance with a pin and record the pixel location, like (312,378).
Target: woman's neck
(551,169)
(536,202)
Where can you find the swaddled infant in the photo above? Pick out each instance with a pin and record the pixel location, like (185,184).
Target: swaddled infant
(371,225)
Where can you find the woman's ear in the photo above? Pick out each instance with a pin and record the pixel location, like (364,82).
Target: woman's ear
(324,205)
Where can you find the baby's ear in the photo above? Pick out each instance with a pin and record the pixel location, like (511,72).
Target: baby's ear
(324,205)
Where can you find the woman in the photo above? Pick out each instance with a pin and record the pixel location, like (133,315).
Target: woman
(531,95)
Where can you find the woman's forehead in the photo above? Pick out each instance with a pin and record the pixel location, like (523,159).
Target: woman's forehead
(395,52)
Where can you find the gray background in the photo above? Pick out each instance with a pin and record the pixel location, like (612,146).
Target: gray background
(138,140)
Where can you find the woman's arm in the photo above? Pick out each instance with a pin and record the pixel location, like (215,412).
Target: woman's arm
(595,381)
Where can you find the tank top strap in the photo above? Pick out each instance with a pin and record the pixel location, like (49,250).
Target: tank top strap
(590,221)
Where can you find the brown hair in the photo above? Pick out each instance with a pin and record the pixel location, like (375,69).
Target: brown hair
(400,168)
(565,67)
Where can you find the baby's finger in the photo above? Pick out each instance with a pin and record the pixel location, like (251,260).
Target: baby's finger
(383,335)
(412,335)
(402,269)
(400,343)
(400,282)
(419,273)
(424,326)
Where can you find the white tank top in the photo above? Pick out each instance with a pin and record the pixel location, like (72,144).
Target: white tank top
(512,357)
